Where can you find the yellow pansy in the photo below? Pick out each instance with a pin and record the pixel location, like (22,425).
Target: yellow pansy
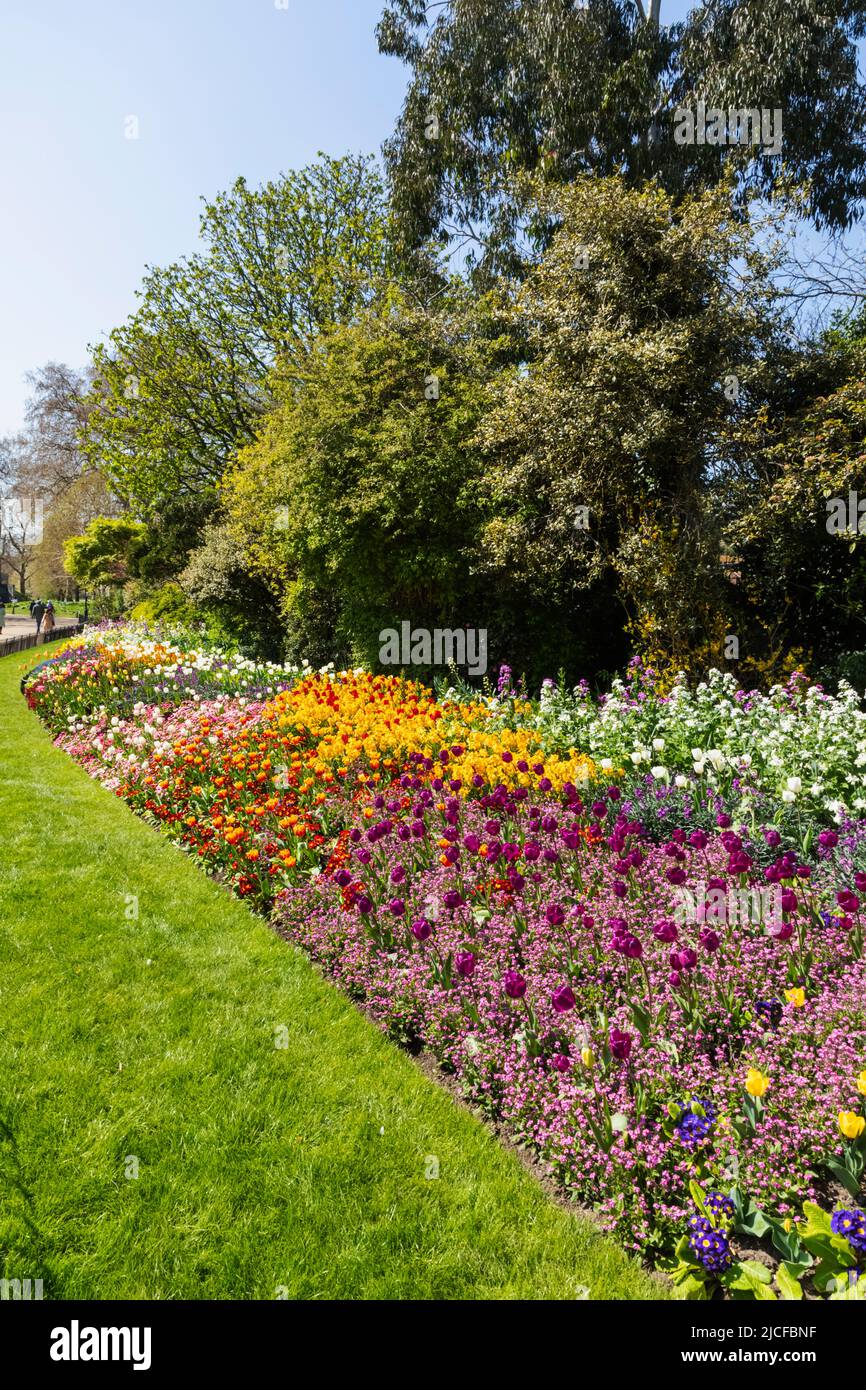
(851,1124)
(757,1083)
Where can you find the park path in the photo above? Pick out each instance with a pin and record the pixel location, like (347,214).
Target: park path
(22,625)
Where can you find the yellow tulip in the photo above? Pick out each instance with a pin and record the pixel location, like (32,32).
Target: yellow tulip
(861,1083)
(797,997)
(757,1083)
(851,1124)
(587,1056)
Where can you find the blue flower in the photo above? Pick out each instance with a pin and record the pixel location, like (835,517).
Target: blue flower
(692,1127)
(852,1225)
(720,1206)
(771,1010)
(711,1247)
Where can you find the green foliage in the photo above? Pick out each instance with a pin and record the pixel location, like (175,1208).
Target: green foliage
(218,583)
(631,323)
(104,555)
(169,604)
(571,89)
(361,497)
(802,584)
(183,382)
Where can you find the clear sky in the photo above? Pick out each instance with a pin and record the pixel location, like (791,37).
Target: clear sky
(219,88)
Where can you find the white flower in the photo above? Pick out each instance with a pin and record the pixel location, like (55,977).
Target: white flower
(794,784)
(789,796)
(659,745)
(661,774)
(681,781)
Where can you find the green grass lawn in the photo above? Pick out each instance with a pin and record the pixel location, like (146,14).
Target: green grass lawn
(62,608)
(150,1040)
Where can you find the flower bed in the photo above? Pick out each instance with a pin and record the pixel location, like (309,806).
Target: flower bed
(660,994)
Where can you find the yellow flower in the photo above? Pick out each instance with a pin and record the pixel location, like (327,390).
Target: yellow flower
(851,1124)
(797,997)
(587,1056)
(861,1083)
(756,1082)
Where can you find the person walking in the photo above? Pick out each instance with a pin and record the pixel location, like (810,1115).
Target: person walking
(2,614)
(48,621)
(37,613)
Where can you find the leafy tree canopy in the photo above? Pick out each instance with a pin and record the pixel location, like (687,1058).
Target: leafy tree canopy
(104,554)
(183,382)
(593,86)
(360,498)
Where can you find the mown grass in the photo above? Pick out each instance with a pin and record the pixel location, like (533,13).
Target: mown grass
(263,1171)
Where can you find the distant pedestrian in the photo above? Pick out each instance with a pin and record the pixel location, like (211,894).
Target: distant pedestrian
(37,613)
(2,614)
(32,606)
(48,621)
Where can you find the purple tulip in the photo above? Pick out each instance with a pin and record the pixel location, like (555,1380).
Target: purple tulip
(620,1044)
(563,999)
(465,963)
(515,985)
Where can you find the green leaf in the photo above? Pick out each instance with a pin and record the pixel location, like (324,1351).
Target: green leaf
(754,1269)
(699,1198)
(844,1176)
(848,1292)
(788,1284)
(753,1222)
(817,1220)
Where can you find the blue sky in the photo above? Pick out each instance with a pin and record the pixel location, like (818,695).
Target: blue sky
(219,87)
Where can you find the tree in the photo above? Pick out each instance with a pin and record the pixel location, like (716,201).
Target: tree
(51,492)
(647,328)
(103,556)
(359,501)
(22,510)
(85,499)
(182,384)
(792,510)
(56,418)
(569,87)
(218,581)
